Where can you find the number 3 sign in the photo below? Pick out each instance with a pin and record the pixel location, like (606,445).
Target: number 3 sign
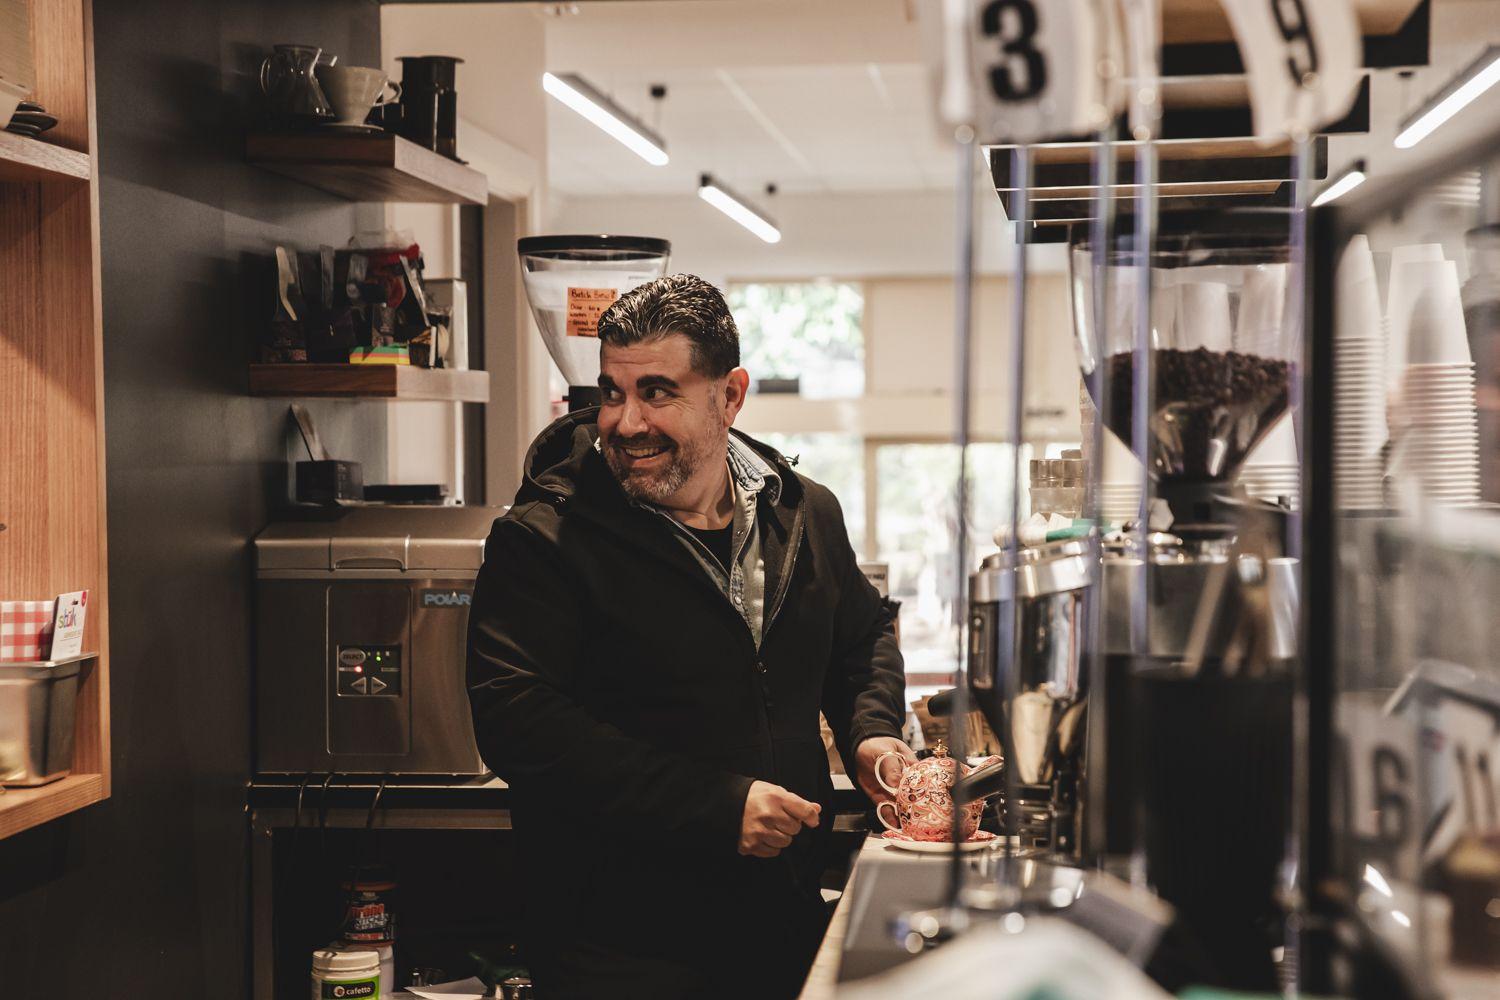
(1302,59)
(1020,70)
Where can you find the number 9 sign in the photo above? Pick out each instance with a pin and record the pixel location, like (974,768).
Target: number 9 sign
(1302,61)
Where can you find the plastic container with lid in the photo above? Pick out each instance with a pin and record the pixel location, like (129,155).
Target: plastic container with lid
(339,974)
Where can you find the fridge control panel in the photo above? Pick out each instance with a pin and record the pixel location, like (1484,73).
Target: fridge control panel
(369,671)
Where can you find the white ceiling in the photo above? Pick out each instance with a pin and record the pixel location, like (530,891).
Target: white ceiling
(839,129)
(824,96)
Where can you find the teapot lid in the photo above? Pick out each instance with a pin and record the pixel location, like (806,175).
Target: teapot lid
(940,749)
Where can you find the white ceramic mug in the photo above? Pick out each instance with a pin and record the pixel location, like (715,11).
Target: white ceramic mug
(354,90)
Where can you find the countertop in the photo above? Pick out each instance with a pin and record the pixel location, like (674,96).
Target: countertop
(886,883)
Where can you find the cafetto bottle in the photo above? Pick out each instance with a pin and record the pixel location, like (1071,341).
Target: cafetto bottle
(345,975)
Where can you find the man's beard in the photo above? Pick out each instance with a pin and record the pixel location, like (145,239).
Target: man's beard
(658,485)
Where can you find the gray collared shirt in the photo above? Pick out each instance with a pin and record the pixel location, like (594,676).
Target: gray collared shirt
(744,583)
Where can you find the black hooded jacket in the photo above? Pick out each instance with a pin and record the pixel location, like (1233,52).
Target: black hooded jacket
(621,695)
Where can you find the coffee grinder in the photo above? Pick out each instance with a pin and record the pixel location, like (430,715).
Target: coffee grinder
(1188,764)
(570,282)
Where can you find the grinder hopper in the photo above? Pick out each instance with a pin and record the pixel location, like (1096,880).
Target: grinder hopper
(570,281)
(1221,354)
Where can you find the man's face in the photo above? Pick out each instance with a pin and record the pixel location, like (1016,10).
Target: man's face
(663,426)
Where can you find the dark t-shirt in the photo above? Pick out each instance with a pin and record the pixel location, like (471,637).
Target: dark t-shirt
(718,540)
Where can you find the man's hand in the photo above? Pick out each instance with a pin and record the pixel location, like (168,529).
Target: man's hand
(864,763)
(773,816)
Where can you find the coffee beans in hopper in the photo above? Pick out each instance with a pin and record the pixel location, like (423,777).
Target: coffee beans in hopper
(1210,408)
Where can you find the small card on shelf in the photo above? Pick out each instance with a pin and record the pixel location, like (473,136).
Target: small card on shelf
(25,630)
(67,626)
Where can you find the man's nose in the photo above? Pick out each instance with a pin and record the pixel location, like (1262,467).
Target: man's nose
(632,420)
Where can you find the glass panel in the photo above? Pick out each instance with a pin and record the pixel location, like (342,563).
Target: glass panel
(916,524)
(837,461)
(1415,575)
(812,332)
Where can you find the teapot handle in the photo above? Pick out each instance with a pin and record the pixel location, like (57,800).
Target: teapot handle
(878,778)
(894,827)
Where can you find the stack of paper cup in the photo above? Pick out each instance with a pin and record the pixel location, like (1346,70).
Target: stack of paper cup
(1262,303)
(1434,408)
(1272,471)
(1203,314)
(1120,482)
(1359,380)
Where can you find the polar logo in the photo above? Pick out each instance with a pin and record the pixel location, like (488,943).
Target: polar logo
(447,598)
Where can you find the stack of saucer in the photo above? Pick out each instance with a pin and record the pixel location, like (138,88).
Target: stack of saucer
(1359,380)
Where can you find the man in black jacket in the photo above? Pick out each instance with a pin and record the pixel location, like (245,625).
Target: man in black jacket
(660,618)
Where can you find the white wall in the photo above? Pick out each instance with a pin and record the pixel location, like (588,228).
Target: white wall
(503,134)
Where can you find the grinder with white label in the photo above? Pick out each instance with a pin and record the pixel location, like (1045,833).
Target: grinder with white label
(570,282)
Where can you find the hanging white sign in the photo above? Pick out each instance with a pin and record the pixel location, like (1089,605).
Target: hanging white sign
(1302,62)
(1018,71)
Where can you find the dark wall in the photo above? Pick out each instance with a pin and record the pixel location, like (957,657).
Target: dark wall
(145,895)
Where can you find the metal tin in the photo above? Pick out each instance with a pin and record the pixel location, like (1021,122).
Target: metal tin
(38,701)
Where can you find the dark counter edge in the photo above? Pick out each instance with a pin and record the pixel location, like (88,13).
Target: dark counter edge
(357,791)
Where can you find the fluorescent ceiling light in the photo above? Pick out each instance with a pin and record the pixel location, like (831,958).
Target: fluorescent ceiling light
(1343,184)
(738,209)
(1482,74)
(578,94)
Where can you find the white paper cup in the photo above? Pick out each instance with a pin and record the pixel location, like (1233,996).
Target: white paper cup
(1203,318)
(1429,314)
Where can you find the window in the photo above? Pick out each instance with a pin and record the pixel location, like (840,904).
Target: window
(897,492)
(809,331)
(837,461)
(916,523)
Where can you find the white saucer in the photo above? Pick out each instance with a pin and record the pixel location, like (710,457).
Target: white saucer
(365,129)
(979,842)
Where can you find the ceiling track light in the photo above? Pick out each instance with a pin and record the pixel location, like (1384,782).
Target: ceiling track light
(737,208)
(1352,177)
(586,99)
(1480,75)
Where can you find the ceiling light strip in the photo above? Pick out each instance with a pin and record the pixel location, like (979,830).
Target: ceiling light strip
(1482,74)
(578,94)
(741,211)
(1350,179)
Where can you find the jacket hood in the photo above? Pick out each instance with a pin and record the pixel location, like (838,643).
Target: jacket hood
(563,458)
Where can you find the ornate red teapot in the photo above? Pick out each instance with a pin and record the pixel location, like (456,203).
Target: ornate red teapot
(923,804)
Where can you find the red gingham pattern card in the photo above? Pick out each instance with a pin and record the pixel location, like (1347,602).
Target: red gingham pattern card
(25,630)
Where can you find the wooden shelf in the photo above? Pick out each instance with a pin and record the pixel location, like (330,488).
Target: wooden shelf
(1197,21)
(25,159)
(370,382)
(56,536)
(382,167)
(23,808)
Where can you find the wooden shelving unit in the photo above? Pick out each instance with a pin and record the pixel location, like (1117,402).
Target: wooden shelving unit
(382,167)
(370,382)
(25,159)
(52,386)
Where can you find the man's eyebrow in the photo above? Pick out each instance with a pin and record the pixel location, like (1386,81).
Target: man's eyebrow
(605,382)
(656,382)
